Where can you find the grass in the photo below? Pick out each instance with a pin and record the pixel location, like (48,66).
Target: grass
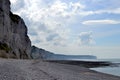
(5,47)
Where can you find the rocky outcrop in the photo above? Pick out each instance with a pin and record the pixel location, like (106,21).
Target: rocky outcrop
(38,53)
(14,41)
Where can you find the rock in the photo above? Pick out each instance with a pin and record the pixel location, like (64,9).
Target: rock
(14,40)
(38,53)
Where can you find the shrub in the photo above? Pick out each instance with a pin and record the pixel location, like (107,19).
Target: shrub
(5,47)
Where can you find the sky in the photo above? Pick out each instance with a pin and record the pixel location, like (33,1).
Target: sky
(74,27)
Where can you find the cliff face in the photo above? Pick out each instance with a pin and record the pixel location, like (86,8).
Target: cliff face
(14,41)
(37,53)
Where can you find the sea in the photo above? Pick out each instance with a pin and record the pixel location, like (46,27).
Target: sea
(113,70)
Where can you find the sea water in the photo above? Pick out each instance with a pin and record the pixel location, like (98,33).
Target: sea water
(114,70)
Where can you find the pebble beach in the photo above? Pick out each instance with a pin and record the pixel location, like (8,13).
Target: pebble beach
(12,69)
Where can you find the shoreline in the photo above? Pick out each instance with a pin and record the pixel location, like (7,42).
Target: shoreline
(87,64)
(99,66)
(13,69)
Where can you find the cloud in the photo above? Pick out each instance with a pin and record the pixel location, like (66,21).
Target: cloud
(109,11)
(49,24)
(13,1)
(57,8)
(77,6)
(84,13)
(17,4)
(97,22)
(85,38)
(52,37)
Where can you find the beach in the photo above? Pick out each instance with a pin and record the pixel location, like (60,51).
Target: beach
(12,69)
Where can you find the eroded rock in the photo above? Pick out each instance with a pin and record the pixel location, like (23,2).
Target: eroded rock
(13,33)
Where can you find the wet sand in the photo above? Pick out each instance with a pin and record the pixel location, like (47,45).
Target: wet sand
(11,69)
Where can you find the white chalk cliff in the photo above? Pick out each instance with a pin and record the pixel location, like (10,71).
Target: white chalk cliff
(14,41)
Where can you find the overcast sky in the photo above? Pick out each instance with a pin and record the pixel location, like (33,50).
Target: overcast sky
(73,26)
